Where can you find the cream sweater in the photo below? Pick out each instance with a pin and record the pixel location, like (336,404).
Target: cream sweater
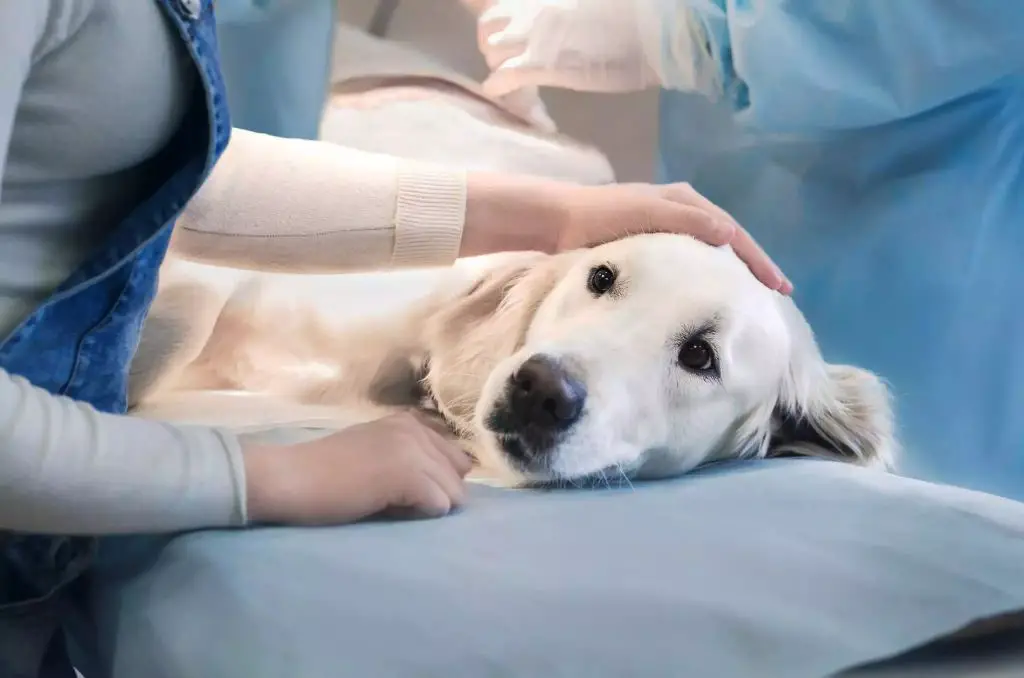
(112,81)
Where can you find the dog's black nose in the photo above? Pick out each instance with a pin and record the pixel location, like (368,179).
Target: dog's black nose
(544,397)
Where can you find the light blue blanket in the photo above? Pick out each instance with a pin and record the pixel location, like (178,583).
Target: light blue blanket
(786,568)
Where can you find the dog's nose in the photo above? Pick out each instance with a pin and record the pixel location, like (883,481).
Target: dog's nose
(544,396)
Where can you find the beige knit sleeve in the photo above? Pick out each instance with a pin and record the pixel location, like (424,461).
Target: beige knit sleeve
(310,206)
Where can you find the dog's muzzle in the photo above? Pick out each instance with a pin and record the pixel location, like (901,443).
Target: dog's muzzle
(541,403)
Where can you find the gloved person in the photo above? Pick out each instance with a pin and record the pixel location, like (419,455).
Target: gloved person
(275,56)
(876,150)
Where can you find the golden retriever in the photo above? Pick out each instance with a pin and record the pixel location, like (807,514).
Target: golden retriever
(642,358)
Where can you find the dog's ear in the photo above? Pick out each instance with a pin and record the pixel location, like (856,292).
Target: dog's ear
(837,412)
(497,305)
(844,415)
(484,324)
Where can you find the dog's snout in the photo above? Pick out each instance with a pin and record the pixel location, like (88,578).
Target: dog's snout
(544,396)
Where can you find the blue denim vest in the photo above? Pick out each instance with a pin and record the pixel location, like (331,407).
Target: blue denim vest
(80,342)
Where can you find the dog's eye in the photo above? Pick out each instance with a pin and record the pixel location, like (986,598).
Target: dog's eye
(600,280)
(697,356)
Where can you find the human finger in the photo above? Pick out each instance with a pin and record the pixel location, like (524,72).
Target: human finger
(440,471)
(423,496)
(439,436)
(460,460)
(759,263)
(496,38)
(672,217)
(687,195)
(426,454)
(745,247)
(441,465)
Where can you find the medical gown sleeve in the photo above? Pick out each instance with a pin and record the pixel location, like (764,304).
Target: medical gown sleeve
(790,66)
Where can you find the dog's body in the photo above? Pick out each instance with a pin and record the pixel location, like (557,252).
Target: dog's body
(548,375)
(646,357)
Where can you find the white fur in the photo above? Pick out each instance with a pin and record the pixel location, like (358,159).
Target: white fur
(311,340)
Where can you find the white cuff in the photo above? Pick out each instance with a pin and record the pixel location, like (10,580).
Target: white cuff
(430,211)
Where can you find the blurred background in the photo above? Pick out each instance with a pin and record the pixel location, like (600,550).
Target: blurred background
(620,125)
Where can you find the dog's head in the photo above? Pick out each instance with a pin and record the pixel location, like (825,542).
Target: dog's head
(644,357)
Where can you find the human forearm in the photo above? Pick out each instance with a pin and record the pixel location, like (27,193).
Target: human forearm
(309,206)
(69,469)
(511,213)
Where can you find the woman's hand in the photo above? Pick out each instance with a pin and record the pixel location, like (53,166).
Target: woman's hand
(599,214)
(399,464)
(516,213)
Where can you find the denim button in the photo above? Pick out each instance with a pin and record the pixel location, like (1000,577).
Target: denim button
(191,8)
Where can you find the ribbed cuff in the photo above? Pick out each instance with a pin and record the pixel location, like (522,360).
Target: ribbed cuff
(430,213)
(236,466)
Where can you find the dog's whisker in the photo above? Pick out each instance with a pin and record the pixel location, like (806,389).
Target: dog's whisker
(625,477)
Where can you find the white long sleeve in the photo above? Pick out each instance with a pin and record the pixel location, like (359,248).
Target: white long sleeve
(66,468)
(311,206)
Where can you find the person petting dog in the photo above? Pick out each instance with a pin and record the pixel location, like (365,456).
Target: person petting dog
(113,120)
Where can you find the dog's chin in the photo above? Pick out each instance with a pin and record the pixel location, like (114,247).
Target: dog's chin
(521,464)
(534,458)
(529,458)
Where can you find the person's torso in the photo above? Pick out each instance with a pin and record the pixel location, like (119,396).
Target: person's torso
(108,88)
(80,339)
(906,245)
(109,196)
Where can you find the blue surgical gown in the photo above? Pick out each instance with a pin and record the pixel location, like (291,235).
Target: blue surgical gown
(875,148)
(276,60)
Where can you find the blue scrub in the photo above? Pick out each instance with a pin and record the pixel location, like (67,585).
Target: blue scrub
(876,149)
(276,60)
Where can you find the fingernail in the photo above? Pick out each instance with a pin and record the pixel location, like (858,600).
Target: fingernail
(725,229)
(786,286)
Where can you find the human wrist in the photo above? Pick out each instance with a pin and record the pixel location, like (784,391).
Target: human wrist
(265,479)
(509,213)
(232,448)
(430,210)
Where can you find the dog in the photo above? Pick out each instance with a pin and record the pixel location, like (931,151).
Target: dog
(642,358)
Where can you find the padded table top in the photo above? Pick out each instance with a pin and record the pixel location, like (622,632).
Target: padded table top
(780,568)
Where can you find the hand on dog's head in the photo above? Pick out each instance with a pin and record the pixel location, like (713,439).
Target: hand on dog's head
(645,357)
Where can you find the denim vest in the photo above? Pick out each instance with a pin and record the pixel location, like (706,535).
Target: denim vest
(80,342)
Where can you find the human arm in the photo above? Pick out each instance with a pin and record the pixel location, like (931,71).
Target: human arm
(308,206)
(862,63)
(783,67)
(66,468)
(313,207)
(69,469)
(63,466)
